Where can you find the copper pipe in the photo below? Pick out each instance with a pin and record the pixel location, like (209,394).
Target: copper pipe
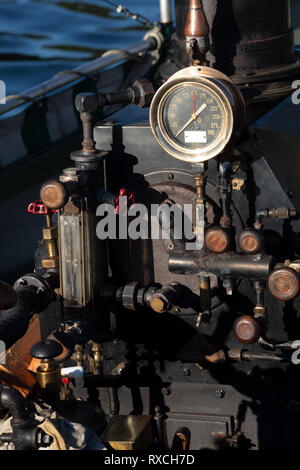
(196,24)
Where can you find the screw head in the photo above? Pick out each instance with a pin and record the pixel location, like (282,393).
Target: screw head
(220,393)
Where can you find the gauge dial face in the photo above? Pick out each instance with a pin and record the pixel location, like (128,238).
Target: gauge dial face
(193,116)
(197,114)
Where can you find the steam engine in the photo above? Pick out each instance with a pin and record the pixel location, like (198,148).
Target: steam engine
(187,340)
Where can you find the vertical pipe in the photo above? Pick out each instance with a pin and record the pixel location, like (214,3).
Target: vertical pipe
(165,11)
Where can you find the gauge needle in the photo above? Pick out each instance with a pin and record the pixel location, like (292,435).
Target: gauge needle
(194,116)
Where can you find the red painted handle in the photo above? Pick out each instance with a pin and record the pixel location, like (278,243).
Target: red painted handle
(130,199)
(38,208)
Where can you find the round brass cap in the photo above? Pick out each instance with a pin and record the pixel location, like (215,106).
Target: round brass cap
(53,194)
(217,240)
(284,284)
(251,241)
(246,329)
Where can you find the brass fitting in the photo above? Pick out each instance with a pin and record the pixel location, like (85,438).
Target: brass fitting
(97,350)
(50,236)
(48,376)
(200,183)
(197,31)
(259,311)
(50,233)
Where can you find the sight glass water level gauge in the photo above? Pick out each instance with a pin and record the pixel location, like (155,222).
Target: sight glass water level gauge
(197,114)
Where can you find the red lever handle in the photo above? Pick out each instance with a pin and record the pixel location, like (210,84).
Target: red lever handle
(38,208)
(130,199)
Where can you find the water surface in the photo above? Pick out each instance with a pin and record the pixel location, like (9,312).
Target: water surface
(39,38)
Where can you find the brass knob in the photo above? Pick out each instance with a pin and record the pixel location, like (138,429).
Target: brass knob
(217,240)
(246,329)
(251,241)
(284,284)
(53,194)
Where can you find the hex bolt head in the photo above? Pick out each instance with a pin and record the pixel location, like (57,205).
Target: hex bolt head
(220,393)
(86,102)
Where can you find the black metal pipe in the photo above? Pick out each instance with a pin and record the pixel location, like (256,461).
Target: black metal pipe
(224,265)
(114,402)
(117,381)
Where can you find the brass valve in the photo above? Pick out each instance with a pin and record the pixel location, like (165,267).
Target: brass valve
(48,373)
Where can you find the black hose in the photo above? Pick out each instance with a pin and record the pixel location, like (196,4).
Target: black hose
(14,322)
(34,293)
(25,433)
(12,400)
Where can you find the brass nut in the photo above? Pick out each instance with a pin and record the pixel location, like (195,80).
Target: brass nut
(50,233)
(237,184)
(158,304)
(50,263)
(259,311)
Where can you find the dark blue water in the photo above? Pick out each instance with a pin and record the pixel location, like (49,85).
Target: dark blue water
(39,38)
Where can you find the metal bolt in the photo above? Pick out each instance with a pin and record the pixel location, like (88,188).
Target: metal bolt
(220,393)
(187,372)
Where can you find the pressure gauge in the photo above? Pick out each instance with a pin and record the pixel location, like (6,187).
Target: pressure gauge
(197,114)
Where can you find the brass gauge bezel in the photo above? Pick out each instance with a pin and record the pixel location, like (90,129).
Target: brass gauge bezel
(224,91)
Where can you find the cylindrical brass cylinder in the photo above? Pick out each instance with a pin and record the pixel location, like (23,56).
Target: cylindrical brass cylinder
(48,376)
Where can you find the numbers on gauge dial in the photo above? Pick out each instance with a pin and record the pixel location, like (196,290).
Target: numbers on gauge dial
(193,117)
